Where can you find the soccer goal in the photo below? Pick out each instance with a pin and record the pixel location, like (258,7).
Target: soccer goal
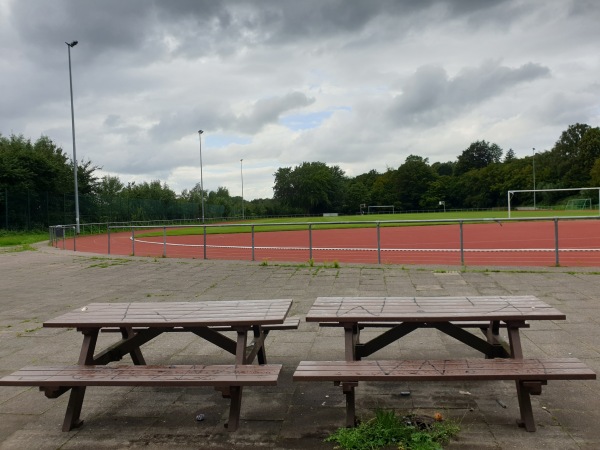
(579,203)
(582,203)
(385,209)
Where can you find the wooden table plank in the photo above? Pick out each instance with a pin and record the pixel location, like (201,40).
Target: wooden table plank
(430,309)
(172,314)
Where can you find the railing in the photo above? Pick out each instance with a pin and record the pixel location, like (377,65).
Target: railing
(62,232)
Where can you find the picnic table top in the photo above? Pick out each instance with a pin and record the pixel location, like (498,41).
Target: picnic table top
(175,314)
(431,309)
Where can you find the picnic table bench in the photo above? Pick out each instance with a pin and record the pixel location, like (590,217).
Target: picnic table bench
(450,315)
(139,323)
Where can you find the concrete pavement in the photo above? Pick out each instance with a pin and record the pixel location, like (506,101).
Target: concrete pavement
(41,284)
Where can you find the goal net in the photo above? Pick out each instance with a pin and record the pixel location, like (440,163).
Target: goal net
(536,198)
(579,203)
(376,209)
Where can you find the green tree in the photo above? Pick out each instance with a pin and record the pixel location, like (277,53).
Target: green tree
(414,179)
(477,156)
(312,186)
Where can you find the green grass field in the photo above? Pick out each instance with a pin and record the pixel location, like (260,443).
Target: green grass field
(322,223)
(10,239)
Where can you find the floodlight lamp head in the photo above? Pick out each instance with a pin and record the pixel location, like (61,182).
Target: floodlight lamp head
(200,131)
(71,44)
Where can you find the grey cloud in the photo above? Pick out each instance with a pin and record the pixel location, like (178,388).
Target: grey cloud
(269,110)
(263,112)
(209,27)
(430,96)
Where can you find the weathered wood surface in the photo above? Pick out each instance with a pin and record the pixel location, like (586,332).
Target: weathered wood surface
(175,375)
(430,370)
(430,309)
(174,314)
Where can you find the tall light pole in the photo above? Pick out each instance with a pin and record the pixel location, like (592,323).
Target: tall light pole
(201,179)
(69,46)
(534,205)
(242,175)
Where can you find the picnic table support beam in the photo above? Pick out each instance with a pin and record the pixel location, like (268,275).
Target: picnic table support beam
(490,349)
(382,340)
(227,344)
(129,345)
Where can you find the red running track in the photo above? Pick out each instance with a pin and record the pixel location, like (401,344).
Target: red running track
(490,244)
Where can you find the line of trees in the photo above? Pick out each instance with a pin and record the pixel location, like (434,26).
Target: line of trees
(36,184)
(480,177)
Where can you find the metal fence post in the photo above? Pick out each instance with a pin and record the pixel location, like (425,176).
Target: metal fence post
(378,244)
(252,228)
(75,240)
(132,241)
(204,241)
(309,241)
(462,247)
(108,234)
(556,240)
(164,242)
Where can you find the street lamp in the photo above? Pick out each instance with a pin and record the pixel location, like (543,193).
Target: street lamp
(242,175)
(69,46)
(201,180)
(534,205)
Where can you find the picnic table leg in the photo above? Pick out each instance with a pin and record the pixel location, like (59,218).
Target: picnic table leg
(526,421)
(240,349)
(136,353)
(235,408)
(72,419)
(516,351)
(86,357)
(348,389)
(261,355)
(90,337)
(351,336)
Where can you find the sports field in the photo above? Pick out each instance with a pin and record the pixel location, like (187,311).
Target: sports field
(491,242)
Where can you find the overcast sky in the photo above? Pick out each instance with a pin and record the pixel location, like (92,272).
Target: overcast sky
(357,83)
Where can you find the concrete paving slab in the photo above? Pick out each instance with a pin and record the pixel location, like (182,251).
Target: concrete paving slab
(42,284)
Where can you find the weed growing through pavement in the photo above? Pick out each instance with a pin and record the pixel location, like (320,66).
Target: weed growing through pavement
(386,429)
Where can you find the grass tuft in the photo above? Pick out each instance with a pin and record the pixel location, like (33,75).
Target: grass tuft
(387,430)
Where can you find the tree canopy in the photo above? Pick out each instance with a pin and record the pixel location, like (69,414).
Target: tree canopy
(39,178)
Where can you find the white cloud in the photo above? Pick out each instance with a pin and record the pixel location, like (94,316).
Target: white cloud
(278,82)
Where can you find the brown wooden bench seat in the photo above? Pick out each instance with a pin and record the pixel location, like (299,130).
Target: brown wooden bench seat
(529,374)
(228,379)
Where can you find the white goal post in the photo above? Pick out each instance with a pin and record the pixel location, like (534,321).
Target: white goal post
(377,207)
(510,194)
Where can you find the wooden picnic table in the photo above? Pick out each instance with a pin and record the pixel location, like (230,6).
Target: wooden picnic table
(406,314)
(141,322)
(450,315)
